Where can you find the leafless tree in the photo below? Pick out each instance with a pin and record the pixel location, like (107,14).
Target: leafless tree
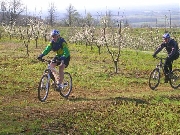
(115,40)
(3,9)
(13,10)
(52,16)
(89,19)
(72,16)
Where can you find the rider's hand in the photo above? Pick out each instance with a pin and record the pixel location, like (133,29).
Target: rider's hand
(154,55)
(40,57)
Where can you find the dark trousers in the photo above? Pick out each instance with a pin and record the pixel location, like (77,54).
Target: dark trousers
(168,63)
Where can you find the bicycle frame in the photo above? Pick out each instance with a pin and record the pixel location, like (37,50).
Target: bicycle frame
(49,69)
(155,76)
(44,84)
(160,65)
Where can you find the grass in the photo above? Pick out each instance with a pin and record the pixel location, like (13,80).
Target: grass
(101,102)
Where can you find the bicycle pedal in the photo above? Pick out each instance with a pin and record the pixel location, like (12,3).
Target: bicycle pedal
(58,89)
(66,84)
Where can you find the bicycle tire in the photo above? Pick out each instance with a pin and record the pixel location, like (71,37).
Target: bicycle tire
(67,88)
(43,88)
(154,79)
(174,78)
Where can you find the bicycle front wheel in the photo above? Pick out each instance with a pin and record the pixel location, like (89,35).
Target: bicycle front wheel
(154,79)
(175,78)
(67,85)
(43,88)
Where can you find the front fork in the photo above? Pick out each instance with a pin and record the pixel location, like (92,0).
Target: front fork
(159,66)
(47,72)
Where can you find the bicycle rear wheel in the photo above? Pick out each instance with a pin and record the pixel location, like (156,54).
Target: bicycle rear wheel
(175,78)
(67,85)
(43,88)
(154,79)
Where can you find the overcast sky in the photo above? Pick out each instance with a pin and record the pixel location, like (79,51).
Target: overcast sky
(89,5)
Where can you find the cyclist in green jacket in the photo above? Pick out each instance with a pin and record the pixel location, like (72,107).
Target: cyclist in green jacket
(58,45)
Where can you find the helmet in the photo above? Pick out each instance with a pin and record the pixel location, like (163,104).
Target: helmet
(166,35)
(55,32)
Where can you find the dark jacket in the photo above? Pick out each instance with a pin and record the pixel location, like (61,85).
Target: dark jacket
(171,48)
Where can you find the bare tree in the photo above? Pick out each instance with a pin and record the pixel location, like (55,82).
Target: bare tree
(108,17)
(3,9)
(72,16)
(14,9)
(89,19)
(52,16)
(115,41)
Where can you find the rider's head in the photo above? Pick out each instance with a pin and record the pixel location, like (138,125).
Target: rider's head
(55,34)
(166,37)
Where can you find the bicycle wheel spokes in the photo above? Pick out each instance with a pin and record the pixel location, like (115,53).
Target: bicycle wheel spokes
(67,85)
(154,78)
(43,88)
(175,78)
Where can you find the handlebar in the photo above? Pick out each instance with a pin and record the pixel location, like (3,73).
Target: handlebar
(49,61)
(44,60)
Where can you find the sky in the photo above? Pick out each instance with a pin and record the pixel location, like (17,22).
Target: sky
(80,5)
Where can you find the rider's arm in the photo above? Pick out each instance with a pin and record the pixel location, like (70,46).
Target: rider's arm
(66,52)
(172,43)
(159,48)
(47,49)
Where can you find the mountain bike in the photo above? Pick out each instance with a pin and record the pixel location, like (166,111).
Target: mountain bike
(45,81)
(155,75)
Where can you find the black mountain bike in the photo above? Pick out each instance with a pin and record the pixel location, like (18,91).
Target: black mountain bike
(45,81)
(155,75)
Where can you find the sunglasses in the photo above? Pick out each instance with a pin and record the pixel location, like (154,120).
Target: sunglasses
(54,36)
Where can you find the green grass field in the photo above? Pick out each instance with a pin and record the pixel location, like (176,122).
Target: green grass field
(102,102)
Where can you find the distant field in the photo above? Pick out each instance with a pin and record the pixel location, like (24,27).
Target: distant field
(154,20)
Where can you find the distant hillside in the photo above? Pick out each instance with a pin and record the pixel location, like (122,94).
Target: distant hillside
(158,15)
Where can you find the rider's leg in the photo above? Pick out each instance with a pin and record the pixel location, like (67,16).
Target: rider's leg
(174,57)
(170,61)
(167,69)
(56,76)
(166,66)
(62,66)
(170,66)
(61,72)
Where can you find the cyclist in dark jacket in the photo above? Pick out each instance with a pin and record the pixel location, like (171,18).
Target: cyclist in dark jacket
(59,46)
(172,49)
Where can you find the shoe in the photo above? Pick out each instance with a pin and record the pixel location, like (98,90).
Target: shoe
(170,75)
(166,79)
(58,87)
(65,84)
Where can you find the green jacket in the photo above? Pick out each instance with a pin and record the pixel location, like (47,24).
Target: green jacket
(60,47)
